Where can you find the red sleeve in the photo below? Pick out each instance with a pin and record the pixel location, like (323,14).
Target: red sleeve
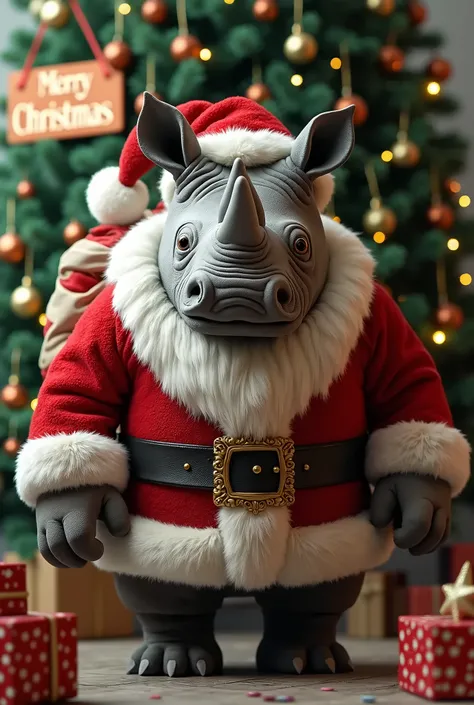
(401,379)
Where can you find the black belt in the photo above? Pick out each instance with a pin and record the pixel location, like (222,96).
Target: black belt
(252,471)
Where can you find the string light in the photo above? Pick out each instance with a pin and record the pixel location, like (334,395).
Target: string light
(296,79)
(205,54)
(42,320)
(336,219)
(335,63)
(453,244)
(465,279)
(34,404)
(433,88)
(229,2)
(379,237)
(124,8)
(387,156)
(439,337)
(465,201)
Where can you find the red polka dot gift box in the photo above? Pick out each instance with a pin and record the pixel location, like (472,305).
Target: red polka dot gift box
(13,595)
(38,658)
(436,658)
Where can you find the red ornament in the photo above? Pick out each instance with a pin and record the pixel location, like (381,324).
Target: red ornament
(12,248)
(73,232)
(265,10)
(185,46)
(441,216)
(417,12)
(450,315)
(138,104)
(118,54)
(439,69)
(258,92)
(392,58)
(154,11)
(361,112)
(14,396)
(11,447)
(25,189)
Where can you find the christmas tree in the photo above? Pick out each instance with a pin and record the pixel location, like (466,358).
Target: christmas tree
(399,189)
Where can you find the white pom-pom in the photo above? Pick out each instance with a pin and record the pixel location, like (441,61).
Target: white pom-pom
(323,191)
(167,188)
(111,202)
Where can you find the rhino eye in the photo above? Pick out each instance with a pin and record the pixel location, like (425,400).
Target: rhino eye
(301,246)
(185,238)
(183,243)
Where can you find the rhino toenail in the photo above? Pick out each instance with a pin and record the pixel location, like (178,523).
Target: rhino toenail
(201,666)
(331,664)
(298,664)
(144,663)
(171,668)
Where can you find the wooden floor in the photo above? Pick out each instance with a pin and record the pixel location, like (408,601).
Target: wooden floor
(102,679)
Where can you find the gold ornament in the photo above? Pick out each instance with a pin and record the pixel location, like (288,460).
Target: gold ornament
(14,395)
(265,10)
(154,11)
(35,7)
(300,48)
(54,13)
(12,248)
(11,447)
(185,46)
(405,153)
(25,189)
(258,92)
(459,600)
(118,54)
(381,7)
(73,232)
(26,300)
(380,219)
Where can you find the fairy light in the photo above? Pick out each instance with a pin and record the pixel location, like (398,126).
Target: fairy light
(124,8)
(433,88)
(335,63)
(229,2)
(379,237)
(205,54)
(34,404)
(439,337)
(387,156)
(465,279)
(336,219)
(42,320)
(296,79)
(464,201)
(453,244)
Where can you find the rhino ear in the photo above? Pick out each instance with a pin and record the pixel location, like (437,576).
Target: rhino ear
(325,143)
(166,137)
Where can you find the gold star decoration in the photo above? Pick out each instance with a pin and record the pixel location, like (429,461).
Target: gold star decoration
(459,595)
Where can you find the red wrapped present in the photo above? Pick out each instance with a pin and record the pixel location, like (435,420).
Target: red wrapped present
(436,659)
(13,595)
(38,658)
(424,599)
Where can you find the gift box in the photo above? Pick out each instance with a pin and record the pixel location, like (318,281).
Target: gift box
(436,657)
(13,595)
(424,599)
(381,601)
(38,658)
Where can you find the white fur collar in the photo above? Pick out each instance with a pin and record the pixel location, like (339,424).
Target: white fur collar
(244,390)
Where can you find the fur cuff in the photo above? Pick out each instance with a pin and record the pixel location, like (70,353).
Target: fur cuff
(424,448)
(55,463)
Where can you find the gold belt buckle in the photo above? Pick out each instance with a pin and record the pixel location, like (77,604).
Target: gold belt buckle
(255,502)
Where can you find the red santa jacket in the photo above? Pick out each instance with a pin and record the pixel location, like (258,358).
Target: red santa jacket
(354,367)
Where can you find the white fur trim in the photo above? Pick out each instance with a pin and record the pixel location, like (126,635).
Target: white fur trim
(244,390)
(255,149)
(425,448)
(61,462)
(196,556)
(109,201)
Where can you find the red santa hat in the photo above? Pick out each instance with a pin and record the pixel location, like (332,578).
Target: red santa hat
(234,127)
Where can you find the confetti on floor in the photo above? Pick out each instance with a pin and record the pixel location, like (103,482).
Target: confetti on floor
(368,699)
(155,697)
(253,694)
(269,698)
(285,699)
(327,690)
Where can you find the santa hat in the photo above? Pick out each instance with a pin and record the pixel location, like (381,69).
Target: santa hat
(234,127)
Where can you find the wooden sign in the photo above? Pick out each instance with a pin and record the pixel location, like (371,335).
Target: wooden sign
(65,101)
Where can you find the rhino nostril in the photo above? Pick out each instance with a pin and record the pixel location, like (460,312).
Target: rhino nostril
(283,296)
(195,292)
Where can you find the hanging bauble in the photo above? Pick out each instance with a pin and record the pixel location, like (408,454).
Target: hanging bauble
(439,70)
(417,12)
(118,54)
(154,11)
(300,48)
(392,58)
(12,248)
(380,219)
(73,232)
(14,396)
(258,92)
(35,7)
(185,46)
(381,7)
(11,446)
(450,316)
(25,189)
(26,300)
(405,153)
(139,100)
(361,112)
(441,216)
(55,13)
(265,10)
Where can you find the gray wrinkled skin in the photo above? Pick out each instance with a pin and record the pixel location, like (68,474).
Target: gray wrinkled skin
(243,252)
